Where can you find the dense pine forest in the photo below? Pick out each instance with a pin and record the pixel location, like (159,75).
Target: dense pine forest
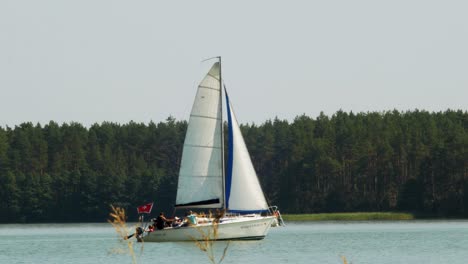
(392,161)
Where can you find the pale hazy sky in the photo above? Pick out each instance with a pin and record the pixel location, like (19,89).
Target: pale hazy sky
(112,60)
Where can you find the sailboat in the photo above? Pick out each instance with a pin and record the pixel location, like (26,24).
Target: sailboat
(209,181)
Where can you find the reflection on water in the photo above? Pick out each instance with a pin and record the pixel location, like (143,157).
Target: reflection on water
(308,242)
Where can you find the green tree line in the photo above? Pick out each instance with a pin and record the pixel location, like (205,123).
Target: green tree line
(376,161)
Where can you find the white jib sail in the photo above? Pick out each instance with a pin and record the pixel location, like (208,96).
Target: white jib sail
(201,171)
(245,193)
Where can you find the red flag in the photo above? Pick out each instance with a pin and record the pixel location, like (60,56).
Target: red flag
(145,209)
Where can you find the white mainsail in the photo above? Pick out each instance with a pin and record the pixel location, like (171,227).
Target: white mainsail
(201,171)
(243,191)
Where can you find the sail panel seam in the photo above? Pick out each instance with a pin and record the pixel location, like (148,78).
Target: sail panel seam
(203,116)
(211,75)
(201,146)
(199,176)
(207,87)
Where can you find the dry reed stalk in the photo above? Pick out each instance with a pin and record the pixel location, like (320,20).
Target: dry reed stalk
(118,221)
(208,239)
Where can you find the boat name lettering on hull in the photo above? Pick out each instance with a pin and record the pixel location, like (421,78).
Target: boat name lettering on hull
(252,225)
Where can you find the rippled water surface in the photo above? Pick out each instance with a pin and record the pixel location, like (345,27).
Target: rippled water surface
(307,242)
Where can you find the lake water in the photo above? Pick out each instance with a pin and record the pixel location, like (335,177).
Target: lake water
(306,242)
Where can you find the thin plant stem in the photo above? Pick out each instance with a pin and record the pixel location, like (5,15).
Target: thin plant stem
(118,221)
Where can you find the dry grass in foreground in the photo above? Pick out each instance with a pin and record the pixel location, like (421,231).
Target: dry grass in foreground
(208,239)
(343,258)
(118,221)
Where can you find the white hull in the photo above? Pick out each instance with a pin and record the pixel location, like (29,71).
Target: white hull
(236,228)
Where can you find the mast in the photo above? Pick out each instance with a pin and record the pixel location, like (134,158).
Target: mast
(222,134)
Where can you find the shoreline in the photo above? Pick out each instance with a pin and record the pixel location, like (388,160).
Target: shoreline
(355,216)
(348,216)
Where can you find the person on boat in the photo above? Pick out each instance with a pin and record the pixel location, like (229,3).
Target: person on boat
(219,214)
(139,234)
(192,218)
(150,228)
(161,221)
(177,222)
(184,221)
